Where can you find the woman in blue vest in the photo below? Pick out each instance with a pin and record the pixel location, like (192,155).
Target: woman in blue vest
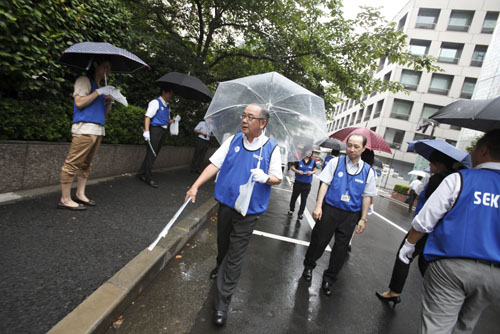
(304,171)
(90,107)
(440,166)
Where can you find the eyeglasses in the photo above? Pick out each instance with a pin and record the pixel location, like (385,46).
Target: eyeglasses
(249,117)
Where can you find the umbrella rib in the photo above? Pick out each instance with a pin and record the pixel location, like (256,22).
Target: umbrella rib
(286,129)
(226,108)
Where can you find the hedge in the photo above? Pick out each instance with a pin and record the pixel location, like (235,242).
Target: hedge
(401,189)
(51,121)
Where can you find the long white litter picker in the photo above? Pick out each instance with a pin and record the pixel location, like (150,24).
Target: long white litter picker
(165,230)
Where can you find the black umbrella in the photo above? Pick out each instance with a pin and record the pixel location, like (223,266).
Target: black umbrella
(482,115)
(81,55)
(186,86)
(334,144)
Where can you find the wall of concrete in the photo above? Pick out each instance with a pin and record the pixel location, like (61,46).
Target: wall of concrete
(28,165)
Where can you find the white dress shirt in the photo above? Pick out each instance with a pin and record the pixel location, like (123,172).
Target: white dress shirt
(326,175)
(274,165)
(203,127)
(442,199)
(153,107)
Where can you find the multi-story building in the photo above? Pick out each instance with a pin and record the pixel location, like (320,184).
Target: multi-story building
(457,33)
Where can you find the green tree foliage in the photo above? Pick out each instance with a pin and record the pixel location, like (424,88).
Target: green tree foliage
(34,33)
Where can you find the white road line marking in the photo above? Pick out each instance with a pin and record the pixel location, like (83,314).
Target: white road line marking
(282,238)
(391,223)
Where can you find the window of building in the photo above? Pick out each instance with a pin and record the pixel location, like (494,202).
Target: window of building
(451,142)
(381,63)
(368,113)
(450,52)
(387,76)
(360,116)
(351,101)
(420,136)
(353,117)
(427,18)
(401,109)
(410,79)
(428,110)
(374,129)
(419,47)
(478,55)
(454,127)
(378,109)
(440,84)
(460,20)
(402,22)
(468,88)
(394,137)
(490,21)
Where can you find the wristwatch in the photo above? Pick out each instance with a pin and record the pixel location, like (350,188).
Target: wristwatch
(268,179)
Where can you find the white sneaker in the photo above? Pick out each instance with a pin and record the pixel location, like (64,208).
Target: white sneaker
(370,209)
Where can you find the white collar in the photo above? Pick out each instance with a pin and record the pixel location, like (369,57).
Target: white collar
(489,165)
(165,103)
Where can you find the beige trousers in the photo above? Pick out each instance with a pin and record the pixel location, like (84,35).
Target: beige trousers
(79,158)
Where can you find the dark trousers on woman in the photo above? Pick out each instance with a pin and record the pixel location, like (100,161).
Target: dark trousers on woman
(333,221)
(200,150)
(157,134)
(233,235)
(400,270)
(302,189)
(411,198)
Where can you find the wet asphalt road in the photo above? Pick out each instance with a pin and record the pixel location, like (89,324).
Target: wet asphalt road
(51,260)
(271,297)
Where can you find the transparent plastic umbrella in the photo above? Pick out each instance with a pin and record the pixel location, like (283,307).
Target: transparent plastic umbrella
(297,117)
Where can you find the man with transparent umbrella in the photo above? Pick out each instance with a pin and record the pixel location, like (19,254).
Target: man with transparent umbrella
(237,159)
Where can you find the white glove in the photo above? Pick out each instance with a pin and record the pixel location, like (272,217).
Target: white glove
(146,136)
(177,118)
(259,175)
(406,252)
(106,90)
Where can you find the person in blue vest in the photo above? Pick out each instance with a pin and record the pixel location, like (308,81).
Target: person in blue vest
(440,166)
(342,203)
(304,170)
(236,161)
(90,107)
(156,122)
(462,219)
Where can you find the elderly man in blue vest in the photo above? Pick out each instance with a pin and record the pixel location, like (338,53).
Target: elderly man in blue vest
(342,203)
(156,122)
(463,219)
(237,160)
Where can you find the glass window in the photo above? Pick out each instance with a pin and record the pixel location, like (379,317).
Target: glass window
(454,127)
(374,129)
(368,112)
(428,110)
(394,137)
(451,142)
(478,55)
(387,76)
(360,116)
(381,63)
(378,109)
(402,22)
(450,52)
(410,79)
(420,136)
(401,109)
(468,88)
(490,21)
(350,103)
(427,18)
(460,20)
(353,116)
(419,47)
(440,84)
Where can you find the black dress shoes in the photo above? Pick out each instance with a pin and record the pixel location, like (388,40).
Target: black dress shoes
(152,183)
(307,274)
(148,182)
(214,272)
(327,288)
(220,318)
(394,300)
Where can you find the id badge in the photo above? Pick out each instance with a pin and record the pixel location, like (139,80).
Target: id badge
(345,197)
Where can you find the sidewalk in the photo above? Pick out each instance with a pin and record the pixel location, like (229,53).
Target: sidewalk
(52,260)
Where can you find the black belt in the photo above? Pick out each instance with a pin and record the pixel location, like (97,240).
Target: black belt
(494,264)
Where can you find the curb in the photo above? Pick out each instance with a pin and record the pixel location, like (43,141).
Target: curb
(96,313)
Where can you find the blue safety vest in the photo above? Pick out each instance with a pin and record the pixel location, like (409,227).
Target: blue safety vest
(162,115)
(344,183)
(95,112)
(235,171)
(305,168)
(471,228)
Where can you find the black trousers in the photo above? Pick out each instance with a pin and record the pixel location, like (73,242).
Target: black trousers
(302,189)
(333,221)
(400,270)
(157,134)
(233,235)
(201,148)
(411,198)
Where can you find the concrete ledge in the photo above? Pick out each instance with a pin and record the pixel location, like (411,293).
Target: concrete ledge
(96,313)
